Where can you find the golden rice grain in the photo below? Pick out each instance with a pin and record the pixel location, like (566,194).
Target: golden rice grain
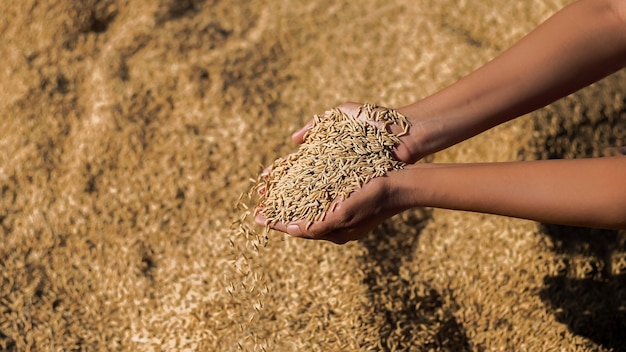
(340,155)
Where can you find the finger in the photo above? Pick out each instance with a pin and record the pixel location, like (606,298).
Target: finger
(319,229)
(350,108)
(298,136)
(259,219)
(266,172)
(261,190)
(300,229)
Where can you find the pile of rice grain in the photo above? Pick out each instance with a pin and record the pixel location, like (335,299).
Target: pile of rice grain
(339,155)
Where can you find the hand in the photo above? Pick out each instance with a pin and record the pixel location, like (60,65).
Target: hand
(406,151)
(352,218)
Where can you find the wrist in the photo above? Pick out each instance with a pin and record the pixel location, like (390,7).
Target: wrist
(439,122)
(402,192)
(419,141)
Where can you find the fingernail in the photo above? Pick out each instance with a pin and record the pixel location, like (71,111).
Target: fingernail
(294,230)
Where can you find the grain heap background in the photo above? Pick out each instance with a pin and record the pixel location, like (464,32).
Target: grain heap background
(129,129)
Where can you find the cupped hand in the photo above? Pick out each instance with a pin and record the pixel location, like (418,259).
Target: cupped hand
(350,219)
(405,151)
(354,217)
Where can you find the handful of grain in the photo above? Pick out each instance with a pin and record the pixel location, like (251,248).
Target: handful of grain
(339,155)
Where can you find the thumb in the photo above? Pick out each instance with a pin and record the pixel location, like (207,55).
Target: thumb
(298,136)
(306,229)
(294,230)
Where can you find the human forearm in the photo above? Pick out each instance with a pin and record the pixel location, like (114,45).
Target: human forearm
(582,192)
(579,45)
